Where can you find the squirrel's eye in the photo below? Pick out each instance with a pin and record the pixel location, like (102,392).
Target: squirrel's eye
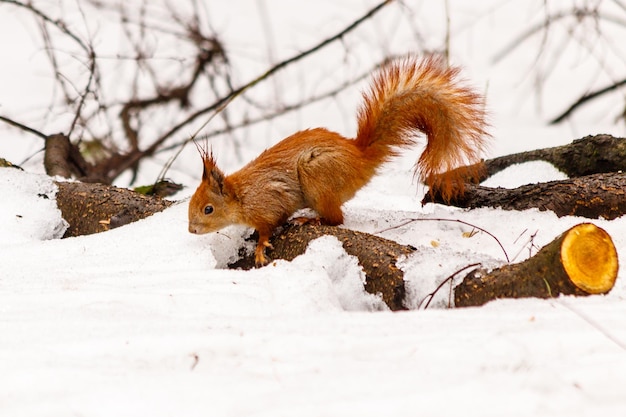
(208,209)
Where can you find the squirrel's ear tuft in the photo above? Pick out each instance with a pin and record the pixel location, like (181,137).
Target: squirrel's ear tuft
(211,173)
(208,163)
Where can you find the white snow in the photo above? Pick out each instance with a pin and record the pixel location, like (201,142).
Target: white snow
(138,321)
(145,320)
(28,209)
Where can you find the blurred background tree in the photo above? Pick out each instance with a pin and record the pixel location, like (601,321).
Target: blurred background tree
(130,82)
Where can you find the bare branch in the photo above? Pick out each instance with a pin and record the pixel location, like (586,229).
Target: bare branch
(23,127)
(221,103)
(281,111)
(584,99)
(137,25)
(56,23)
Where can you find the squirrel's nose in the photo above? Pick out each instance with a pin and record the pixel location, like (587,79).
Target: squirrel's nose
(192,229)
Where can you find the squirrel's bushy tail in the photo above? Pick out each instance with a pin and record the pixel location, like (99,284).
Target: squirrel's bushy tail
(426,95)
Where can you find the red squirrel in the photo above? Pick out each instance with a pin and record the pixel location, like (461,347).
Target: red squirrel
(321,170)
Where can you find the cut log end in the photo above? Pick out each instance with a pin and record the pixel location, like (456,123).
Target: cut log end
(582,261)
(589,258)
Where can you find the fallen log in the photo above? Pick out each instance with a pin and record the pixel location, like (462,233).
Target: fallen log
(592,196)
(585,253)
(595,165)
(92,208)
(589,155)
(581,261)
(377,256)
(592,154)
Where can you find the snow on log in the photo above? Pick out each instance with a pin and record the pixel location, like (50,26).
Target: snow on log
(377,256)
(581,261)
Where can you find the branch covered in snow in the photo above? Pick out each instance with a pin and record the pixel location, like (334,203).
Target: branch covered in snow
(596,189)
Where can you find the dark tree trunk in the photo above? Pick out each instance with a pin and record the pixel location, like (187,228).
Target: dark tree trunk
(63,158)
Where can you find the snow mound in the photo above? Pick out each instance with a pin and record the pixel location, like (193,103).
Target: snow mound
(30,213)
(343,273)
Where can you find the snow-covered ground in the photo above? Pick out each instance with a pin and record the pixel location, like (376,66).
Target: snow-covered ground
(145,321)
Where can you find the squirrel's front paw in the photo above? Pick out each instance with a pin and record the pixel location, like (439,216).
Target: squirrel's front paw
(259,255)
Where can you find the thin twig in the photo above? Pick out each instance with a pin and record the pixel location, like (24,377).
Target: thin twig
(23,127)
(592,323)
(449,278)
(447,220)
(59,24)
(219,104)
(278,112)
(92,71)
(119,163)
(83,96)
(585,98)
(222,103)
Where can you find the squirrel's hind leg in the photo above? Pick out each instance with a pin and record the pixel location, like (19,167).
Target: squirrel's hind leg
(324,181)
(327,205)
(329,210)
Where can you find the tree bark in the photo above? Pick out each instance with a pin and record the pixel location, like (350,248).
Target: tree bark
(63,158)
(591,196)
(589,155)
(377,256)
(92,208)
(581,261)
(585,194)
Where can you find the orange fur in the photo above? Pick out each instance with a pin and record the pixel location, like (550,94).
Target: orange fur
(321,170)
